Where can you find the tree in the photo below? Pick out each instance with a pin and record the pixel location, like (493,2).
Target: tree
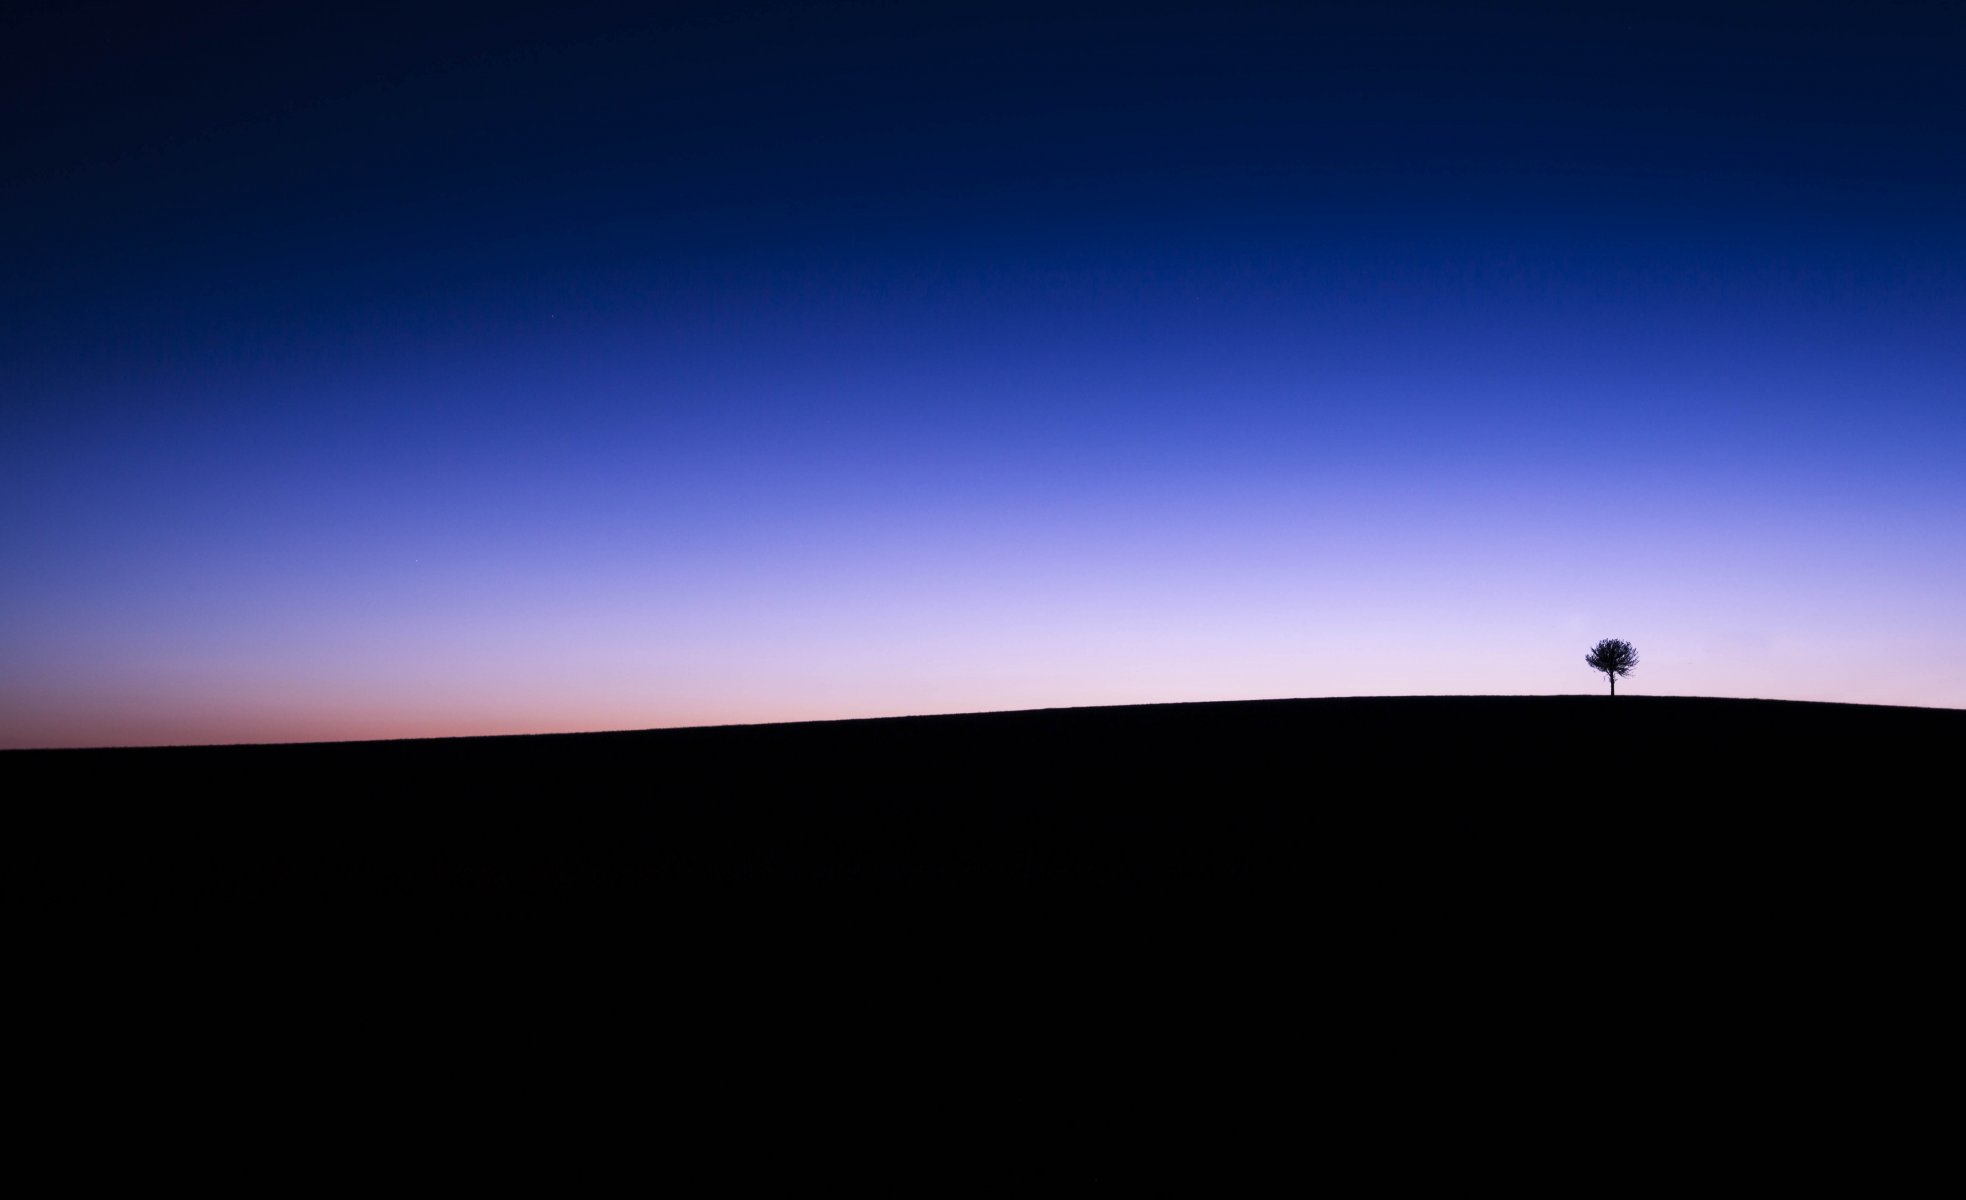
(1614,658)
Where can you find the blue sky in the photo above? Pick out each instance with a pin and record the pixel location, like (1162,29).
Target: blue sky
(510,369)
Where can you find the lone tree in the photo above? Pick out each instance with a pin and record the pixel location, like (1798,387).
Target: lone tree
(1614,658)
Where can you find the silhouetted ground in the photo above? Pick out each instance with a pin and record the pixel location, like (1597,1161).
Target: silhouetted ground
(1259,794)
(1548,925)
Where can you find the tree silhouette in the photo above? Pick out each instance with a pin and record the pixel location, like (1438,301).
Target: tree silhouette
(1614,658)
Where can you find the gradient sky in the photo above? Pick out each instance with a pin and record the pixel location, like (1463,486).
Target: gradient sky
(432,370)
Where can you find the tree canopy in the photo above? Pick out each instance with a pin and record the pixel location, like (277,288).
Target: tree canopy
(1613,657)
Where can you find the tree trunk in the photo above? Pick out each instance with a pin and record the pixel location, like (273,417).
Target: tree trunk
(1614,683)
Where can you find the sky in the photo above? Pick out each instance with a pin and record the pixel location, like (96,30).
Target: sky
(431,370)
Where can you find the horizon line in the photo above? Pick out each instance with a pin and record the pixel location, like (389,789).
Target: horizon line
(958,713)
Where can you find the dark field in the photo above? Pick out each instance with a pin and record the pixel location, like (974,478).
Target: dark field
(1435,793)
(1411,913)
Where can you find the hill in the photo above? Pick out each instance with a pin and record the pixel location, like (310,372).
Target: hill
(1249,794)
(1413,904)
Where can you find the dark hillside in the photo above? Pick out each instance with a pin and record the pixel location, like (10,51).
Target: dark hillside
(1259,793)
(1393,903)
